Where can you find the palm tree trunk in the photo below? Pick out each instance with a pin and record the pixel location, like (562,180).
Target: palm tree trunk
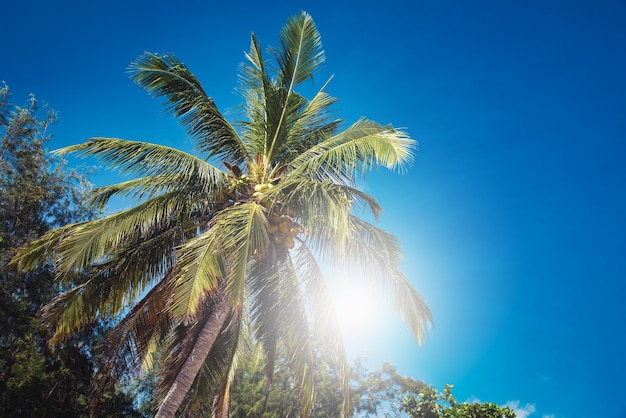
(269,377)
(221,404)
(196,358)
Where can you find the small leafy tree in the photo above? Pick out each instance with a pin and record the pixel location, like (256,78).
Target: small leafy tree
(380,391)
(430,404)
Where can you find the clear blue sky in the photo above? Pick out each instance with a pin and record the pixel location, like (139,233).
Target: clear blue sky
(513,215)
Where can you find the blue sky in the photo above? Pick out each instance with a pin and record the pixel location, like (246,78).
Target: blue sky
(512,217)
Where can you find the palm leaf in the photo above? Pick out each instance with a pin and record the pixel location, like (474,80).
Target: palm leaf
(133,157)
(295,329)
(375,255)
(200,271)
(358,148)
(242,231)
(299,58)
(142,188)
(310,126)
(323,207)
(95,240)
(112,286)
(298,192)
(301,54)
(323,316)
(167,76)
(221,253)
(255,87)
(128,343)
(278,314)
(43,249)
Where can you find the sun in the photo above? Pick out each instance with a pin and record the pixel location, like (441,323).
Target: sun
(358,308)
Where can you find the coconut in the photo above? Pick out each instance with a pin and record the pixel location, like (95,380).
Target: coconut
(279,237)
(289,242)
(293,231)
(284,226)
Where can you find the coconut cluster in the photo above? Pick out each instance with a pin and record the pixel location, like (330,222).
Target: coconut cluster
(283,230)
(237,182)
(259,189)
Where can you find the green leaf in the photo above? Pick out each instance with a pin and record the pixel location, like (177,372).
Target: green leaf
(167,76)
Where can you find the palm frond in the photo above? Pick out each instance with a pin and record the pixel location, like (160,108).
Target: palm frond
(324,316)
(242,231)
(363,201)
(94,241)
(311,125)
(375,255)
(242,351)
(42,250)
(127,344)
(357,149)
(282,112)
(255,86)
(301,54)
(262,286)
(221,253)
(68,312)
(299,58)
(200,270)
(278,314)
(297,192)
(133,157)
(167,76)
(112,286)
(144,188)
(322,206)
(296,335)
(306,123)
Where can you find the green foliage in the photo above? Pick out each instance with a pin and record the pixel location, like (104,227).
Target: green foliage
(381,392)
(430,404)
(37,193)
(248,392)
(371,393)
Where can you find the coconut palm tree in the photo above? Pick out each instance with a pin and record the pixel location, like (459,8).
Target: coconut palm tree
(229,248)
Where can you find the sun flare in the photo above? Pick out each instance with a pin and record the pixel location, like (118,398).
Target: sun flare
(357,309)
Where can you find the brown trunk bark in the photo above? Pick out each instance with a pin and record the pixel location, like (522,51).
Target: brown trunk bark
(200,351)
(221,404)
(269,376)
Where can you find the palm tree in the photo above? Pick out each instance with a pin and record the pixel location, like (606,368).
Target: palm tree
(229,249)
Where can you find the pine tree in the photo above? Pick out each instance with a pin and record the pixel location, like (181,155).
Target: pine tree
(37,193)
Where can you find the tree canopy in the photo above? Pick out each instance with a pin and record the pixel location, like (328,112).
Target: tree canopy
(377,393)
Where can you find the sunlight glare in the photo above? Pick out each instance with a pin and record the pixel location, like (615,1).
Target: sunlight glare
(358,309)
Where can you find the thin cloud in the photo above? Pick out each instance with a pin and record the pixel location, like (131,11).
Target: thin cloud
(521,411)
